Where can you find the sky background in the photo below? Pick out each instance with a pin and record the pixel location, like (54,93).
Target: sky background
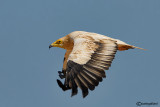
(28,69)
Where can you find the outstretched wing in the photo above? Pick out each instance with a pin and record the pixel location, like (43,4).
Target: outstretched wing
(87,62)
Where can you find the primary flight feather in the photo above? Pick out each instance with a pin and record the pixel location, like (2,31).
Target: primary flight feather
(87,57)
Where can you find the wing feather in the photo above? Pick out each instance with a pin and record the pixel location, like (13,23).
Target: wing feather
(86,82)
(87,63)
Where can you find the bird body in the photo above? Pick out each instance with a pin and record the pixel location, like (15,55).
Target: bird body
(87,57)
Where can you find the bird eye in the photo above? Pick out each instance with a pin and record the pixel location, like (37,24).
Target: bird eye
(59,42)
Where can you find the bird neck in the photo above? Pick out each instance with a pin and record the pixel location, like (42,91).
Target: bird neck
(68,43)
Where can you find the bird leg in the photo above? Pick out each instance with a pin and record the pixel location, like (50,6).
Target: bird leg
(63,86)
(61,74)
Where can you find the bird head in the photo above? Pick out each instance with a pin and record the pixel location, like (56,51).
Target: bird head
(58,43)
(64,42)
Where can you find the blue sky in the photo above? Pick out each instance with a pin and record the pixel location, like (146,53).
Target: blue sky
(28,69)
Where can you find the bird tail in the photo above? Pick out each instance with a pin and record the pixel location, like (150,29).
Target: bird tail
(123,47)
(138,47)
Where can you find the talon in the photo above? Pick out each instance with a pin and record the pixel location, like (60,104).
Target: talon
(59,72)
(61,85)
(61,76)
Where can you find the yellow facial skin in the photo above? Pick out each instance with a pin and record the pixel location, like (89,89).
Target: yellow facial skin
(57,43)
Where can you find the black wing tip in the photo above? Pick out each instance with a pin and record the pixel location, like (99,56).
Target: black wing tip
(73,94)
(85,94)
(91,87)
(74,91)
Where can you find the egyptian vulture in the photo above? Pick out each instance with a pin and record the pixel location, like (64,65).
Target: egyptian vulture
(87,57)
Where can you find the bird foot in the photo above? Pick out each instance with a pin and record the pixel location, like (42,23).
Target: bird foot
(61,74)
(61,85)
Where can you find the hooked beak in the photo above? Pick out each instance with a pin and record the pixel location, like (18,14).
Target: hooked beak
(50,46)
(53,45)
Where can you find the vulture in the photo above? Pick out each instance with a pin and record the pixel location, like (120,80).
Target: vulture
(87,57)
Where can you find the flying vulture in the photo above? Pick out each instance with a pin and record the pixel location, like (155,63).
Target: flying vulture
(87,57)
